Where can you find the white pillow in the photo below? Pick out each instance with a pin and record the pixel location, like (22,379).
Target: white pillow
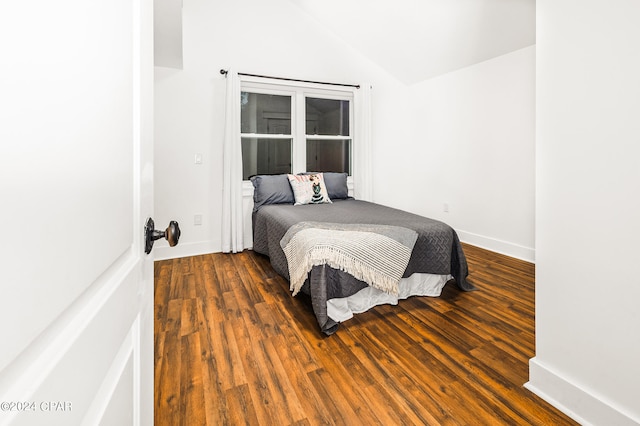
(309,189)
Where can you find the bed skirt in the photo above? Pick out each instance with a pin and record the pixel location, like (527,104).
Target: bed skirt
(343,308)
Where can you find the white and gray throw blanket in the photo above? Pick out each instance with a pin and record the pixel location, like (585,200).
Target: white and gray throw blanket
(375,254)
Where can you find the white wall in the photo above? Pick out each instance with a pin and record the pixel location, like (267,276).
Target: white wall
(587,215)
(274,38)
(471,143)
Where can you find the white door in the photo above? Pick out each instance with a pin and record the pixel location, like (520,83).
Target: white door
(76,289)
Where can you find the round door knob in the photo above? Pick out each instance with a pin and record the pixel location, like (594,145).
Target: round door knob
(171,234)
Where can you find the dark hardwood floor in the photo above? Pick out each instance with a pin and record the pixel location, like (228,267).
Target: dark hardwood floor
(233,347)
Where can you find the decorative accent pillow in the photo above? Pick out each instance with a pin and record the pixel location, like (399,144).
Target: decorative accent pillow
(309,189)
(336,184)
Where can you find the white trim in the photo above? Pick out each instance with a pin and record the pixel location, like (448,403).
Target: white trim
(104,395)
(571,398)
(186,250)
(499,246)
(265,88)
(298,127)
(265,136)
(268,83)
(328,137)
(247,189)
(137,339)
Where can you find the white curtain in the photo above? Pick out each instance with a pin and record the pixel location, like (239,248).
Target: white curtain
(362,169)
(232,226)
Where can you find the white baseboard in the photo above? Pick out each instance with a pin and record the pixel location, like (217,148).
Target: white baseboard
(503,247)
(579,403)
(164,252)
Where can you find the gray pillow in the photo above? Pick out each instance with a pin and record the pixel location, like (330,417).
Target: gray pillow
(336,184)
(271,189)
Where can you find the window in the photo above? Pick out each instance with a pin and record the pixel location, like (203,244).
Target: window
(328,143)
(265,128)
(287,129)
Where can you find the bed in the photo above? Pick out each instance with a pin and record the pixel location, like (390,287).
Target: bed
(435,256)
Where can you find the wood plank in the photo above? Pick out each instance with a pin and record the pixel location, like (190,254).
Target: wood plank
(191,389)
(167,380)
(241,408)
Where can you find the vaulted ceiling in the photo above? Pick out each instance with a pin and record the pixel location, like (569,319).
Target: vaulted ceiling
(418,39)
(413,40)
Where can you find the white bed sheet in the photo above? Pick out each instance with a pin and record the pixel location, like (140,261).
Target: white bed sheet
(342,309)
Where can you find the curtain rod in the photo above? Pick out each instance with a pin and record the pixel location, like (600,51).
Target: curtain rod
(357,86)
